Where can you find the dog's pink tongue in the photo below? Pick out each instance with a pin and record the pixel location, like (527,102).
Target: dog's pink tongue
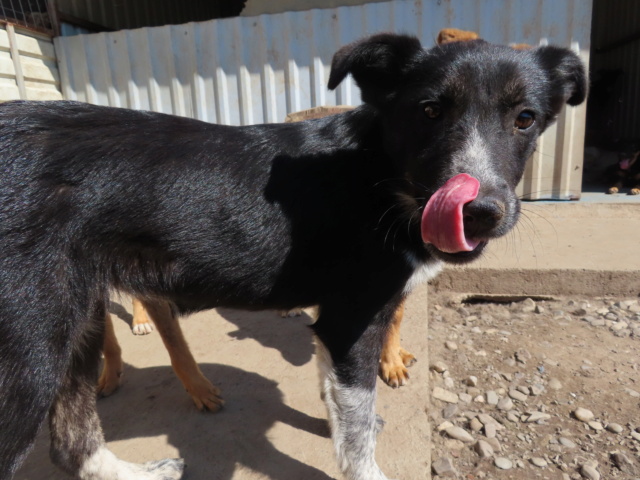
(625,164)
(442,223)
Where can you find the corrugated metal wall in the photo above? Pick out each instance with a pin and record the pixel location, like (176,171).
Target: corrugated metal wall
(613,23)
(258,69)
(28,67)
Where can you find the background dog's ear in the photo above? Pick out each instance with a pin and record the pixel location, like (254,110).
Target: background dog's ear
(375,62)
(566,72)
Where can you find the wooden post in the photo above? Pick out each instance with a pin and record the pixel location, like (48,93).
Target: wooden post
(15,57)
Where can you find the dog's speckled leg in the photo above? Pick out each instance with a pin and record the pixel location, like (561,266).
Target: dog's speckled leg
(353,422)
(77,442)
(104,465)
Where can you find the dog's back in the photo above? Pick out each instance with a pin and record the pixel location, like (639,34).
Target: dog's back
(269,182)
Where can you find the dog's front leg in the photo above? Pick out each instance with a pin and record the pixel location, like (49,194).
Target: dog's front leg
(348,373)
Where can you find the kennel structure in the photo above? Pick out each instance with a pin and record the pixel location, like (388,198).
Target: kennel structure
(252,69)
(28,65)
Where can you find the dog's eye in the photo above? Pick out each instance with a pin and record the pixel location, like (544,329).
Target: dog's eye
(432,111)
(524,120)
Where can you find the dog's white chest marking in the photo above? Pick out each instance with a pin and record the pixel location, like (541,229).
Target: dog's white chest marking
(423,272)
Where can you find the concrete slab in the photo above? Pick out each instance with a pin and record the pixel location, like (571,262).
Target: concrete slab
(273,425)
(560,248)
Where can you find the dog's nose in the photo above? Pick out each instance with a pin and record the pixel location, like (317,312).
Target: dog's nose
(481,216)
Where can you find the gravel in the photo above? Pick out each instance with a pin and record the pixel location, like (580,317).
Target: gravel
(546,386)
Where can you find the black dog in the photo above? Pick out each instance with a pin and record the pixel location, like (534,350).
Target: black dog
(625,173)
(348,212)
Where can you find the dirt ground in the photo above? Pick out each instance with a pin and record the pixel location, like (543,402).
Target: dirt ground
(273,425)
(576,352)
(564,353)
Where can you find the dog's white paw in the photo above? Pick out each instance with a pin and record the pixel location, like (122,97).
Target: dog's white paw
(142,328)
(167,469)
(104,465)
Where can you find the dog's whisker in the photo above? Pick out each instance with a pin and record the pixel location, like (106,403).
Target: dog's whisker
(385,213)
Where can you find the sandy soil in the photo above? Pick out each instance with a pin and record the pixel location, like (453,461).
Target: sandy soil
(273,424)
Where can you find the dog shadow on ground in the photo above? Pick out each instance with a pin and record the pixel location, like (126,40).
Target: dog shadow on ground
(122,313)
(252,325)
(151,406)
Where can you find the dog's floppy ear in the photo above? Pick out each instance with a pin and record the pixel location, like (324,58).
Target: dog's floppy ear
(566,73)
(375,62)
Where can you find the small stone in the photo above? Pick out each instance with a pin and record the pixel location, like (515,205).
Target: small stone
(583,414)
(444,395)
(523,355)
(453,445)
(439,367)
(459,433)
(538,462)
(589,472)
(484,449)
(486,419)
(505,404)
(494,443)
(503,463)
(537,389)
(492,398)
(490,430)
(471,381)
(635,435)
(443,467)
(622,462)
(516,395)
(633,393)
(444,426)
(566,442)
(479,399)
(449,411)
(615,428)
(597,426)
(528,306)
(511,362)
(513,417)
(537,416)
(475,425)
(465,397)
(554,384)
(451,345)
